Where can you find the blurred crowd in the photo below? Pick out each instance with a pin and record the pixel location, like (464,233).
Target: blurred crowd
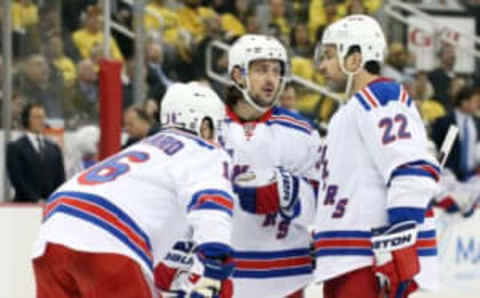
(57,47)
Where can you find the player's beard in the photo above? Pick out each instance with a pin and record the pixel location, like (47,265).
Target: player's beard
(258,99)
(337,86)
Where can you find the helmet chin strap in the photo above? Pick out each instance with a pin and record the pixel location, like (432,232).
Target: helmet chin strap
(350,75)
(250,100)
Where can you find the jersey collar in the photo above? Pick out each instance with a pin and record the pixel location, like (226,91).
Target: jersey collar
(265,117)
(379,80)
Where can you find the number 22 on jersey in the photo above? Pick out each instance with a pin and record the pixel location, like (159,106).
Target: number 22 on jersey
(394,128)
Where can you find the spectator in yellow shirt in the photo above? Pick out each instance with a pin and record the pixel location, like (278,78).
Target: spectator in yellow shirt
(168,22)
(322,13)
(192,18)
(64,64)
(306,99)
(234,24)
(24,14)
(91,35)
(363,6)
(26,39)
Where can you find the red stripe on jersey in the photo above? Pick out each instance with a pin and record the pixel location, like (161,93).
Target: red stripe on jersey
(105,215)
(293,120)
(426,243)
(429,213)
(403,97)
(50,208)
(224,202)
(273,264)
(343,243)
(432,171)
(369,97)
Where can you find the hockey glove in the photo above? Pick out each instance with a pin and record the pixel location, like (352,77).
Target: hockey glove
(459,202)
(395,259)
(201,272)
(268,191)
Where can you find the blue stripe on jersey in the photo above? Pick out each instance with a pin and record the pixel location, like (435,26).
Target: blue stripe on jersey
(423,162)
(279,111)
(362,101)
(272,273)
(338,243)
(265,255)
(288,124)
(400,214)
(270,264)
(104,203)
(409,101)
(344,252)
(427,252)
(212,199)
(385,91)
(411,172)
(357,243)
(343,234)
(417,168)
(284,117)
(427,234)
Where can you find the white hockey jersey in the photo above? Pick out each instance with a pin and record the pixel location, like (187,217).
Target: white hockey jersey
(376,171)
(272,255)
(140,201)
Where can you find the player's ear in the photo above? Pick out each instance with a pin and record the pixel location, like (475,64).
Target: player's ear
(353,61)
(237,76)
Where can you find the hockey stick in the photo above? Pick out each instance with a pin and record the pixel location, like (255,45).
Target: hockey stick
(447,145)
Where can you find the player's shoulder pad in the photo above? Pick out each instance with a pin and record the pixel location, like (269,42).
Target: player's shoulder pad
(291,120)
(380,93)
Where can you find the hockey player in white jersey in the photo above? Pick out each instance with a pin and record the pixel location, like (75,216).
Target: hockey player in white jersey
(105,229)
(374,232)
(273,152)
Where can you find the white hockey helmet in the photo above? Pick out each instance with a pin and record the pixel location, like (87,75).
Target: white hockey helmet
(252,47)
(186,105)
(355,30)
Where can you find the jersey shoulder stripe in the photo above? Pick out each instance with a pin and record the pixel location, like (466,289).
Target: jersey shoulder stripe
(290,119)
(105,215)
(381,93)
(198,140)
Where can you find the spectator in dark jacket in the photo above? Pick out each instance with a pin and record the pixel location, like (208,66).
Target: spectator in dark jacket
(34,163)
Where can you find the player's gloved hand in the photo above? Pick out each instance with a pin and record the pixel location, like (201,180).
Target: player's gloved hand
(195,272)
(463,203)
(268,191)
(395,259)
